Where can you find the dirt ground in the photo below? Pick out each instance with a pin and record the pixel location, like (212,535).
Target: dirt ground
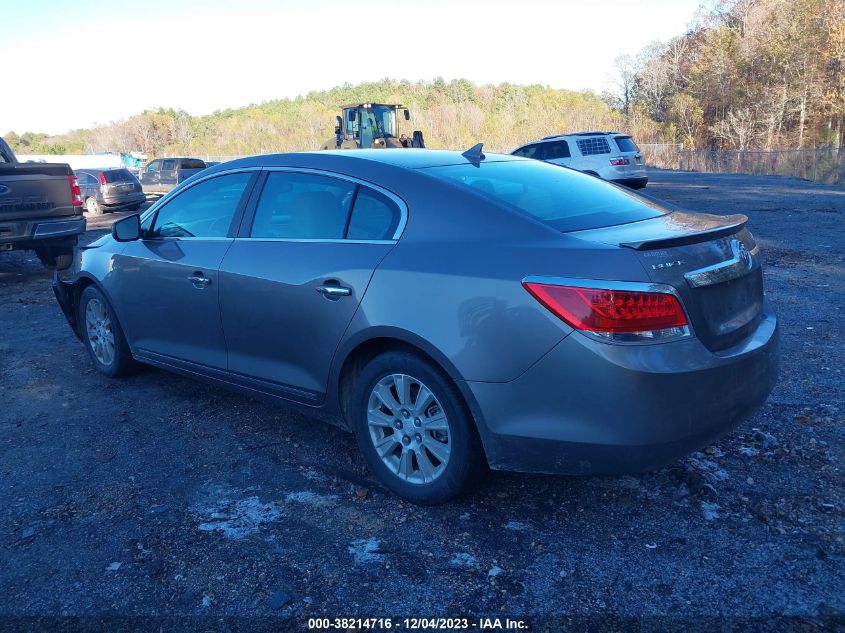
(159,496)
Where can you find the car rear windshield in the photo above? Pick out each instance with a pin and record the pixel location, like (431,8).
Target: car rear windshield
(118,175)
(562,198)
(626,144)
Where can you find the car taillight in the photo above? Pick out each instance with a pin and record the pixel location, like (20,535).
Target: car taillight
(618,162)
(614,314)
(102,178)
(75,191)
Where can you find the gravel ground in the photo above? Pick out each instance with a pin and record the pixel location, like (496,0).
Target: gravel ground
(159,496)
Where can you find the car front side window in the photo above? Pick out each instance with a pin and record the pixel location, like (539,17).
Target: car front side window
(204,210)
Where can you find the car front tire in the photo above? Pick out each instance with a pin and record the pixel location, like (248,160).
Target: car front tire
(414,429)
(102,335)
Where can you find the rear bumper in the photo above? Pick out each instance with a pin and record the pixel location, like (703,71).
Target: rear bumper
(594,408)
(125,200)
(67,300)
(23,233)
(634,183)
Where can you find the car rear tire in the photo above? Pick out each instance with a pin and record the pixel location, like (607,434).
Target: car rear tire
(93,207)
(414,429)
(102,335)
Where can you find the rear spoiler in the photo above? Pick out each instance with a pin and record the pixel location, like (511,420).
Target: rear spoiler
(730,224)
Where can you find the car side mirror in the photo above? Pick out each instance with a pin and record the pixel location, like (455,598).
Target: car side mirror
(127,229)
(407,115)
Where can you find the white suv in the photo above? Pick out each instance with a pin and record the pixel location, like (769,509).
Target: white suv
(608,155)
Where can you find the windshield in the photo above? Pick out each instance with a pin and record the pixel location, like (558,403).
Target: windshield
(382,121)
(562,198)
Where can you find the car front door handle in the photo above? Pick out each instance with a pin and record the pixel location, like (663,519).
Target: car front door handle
(198,280)
(334,291)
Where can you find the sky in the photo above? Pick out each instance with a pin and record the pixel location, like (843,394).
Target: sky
(79,63)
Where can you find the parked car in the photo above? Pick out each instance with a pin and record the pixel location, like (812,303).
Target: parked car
(110,190)
(608,155)
(454,310)
(40,208)
(163,174)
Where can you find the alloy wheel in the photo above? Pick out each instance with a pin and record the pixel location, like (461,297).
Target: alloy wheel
(100,331)
(409,429)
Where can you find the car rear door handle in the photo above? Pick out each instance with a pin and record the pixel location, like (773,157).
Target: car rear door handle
(334,291)
(198,280)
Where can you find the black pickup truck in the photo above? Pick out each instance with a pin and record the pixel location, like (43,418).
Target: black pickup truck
(40,209)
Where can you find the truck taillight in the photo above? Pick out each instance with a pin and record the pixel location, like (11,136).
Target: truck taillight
(75,191)
(618,162)
(613,314)
(102,178)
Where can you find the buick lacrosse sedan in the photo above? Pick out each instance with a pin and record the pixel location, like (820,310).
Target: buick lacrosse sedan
(455,311)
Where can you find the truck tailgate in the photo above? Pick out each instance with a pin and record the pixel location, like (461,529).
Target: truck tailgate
(29,190)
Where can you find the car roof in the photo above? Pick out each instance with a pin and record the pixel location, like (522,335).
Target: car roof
(555,136)
(402,158)
(90,169)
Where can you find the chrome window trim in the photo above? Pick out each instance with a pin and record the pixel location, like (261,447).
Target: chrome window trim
(400,227)
(314,240)
(635,286)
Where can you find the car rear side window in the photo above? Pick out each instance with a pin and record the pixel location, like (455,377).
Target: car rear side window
(374,216)
(564,199)
(204,210)
(555,150)
(593,145)
(626,144)
(192,163)
(302,206)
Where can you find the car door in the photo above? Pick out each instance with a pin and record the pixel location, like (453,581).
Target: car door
(168,175)
(150,177)
(294,276)
(166,283)
(88,185)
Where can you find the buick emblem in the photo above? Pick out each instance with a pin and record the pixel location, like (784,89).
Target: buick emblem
(742,254)
(4,190)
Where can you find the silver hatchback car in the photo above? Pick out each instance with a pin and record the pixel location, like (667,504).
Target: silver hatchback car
(456,311)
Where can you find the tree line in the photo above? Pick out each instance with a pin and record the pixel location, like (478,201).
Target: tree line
(748,74)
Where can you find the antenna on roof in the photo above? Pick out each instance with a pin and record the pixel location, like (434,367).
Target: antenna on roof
(474,154)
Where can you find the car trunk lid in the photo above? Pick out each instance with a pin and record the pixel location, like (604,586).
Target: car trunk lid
(710,260)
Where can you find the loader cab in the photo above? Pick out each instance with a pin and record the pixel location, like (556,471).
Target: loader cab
(372,125)
(380,120)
